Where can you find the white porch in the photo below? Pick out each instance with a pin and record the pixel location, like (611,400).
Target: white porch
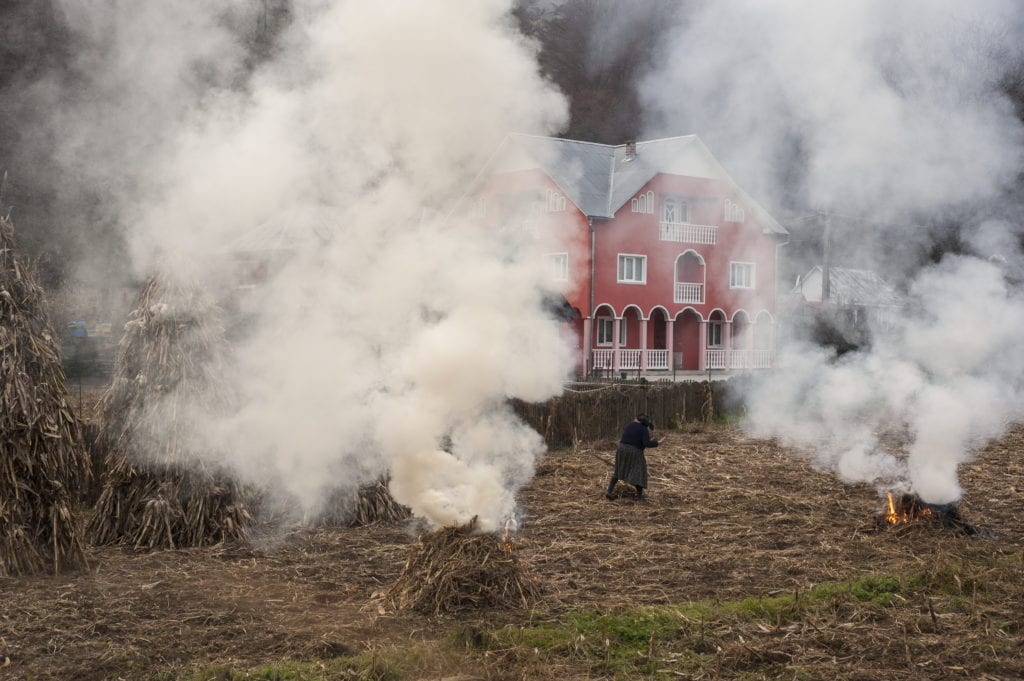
(635,359)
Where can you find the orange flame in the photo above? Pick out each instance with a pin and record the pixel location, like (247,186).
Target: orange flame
(506,538)
(906,513)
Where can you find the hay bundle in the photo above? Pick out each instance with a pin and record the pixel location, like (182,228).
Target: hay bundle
(456,568)
(42,460)
(372,504)
(159,488)
(376,505)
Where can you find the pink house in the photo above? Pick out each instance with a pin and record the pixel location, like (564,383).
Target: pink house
(670,264)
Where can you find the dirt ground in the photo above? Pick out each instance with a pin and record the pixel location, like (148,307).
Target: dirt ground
(728,518)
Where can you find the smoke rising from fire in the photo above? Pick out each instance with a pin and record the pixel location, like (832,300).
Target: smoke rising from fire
(892,113)
(387,330)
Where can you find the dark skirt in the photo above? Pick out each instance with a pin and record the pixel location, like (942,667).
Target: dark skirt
(631,465)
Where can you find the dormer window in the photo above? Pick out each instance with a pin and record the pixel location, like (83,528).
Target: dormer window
(643,203)
(734,212)
(674,209)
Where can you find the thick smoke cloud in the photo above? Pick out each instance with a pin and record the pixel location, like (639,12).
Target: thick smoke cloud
(389,329)
(889,112)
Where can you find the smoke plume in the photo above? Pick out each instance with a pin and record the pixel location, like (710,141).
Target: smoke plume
(386,329)
(890,113)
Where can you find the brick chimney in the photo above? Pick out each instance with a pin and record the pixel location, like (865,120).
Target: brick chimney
(630,152)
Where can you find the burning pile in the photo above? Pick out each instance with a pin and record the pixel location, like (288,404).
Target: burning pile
(42,460)
(907,509)
(158,490)
(456,568)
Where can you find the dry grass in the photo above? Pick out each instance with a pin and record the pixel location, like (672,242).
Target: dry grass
(455,569)
(42,459)
(745,564)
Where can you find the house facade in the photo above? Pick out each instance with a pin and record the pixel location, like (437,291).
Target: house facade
(671,266)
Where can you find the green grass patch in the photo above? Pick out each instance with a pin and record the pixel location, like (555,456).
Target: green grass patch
(627,643)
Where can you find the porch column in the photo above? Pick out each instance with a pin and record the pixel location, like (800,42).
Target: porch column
(643,344)
(702,359)
(670,329)
(616,325)
(588,343)
(727,343)
(771,342)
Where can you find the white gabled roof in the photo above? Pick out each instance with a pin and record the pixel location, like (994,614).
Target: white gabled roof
(599,179)
(850,287)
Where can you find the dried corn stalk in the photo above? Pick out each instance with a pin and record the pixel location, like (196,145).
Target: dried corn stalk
(42,459)
(456,568)
(372,504)
(159,488)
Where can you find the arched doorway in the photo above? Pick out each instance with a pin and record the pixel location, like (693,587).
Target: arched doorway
(602,355)
(657,340)
(686,340)
(741,341)
(629,339)
(717,353)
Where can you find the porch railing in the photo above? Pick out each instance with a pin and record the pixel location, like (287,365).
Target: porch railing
(629,359)
(687,292)
(688,233)
(740,359)
(602,359)
(657,359)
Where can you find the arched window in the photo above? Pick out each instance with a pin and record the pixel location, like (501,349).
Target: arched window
(734,212)
(643,203)
(556,202)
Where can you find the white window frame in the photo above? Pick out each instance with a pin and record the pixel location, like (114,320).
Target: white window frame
(739,266)
(681,206)
(734,212)
(620,268)
(557,266)
(643,203)
(608,323)
(716,328)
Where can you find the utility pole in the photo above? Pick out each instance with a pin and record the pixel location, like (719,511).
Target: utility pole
(826,258)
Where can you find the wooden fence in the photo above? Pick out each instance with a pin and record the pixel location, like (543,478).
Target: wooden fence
(589,412)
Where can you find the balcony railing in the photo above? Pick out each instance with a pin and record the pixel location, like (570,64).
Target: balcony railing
(687,292)
(688,233)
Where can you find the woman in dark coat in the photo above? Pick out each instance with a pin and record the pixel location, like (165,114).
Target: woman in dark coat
(630,463)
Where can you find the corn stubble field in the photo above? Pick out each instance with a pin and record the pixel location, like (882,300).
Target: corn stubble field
(745,564)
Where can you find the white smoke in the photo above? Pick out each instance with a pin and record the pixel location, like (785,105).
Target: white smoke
(887,112)
(391,329)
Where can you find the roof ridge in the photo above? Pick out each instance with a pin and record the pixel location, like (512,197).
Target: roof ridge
(662,139)
(562,139)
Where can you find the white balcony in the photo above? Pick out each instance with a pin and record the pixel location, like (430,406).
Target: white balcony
(687,292)
(630,359)
(688,233)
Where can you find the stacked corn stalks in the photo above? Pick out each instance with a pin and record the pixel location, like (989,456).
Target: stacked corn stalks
(42,460)
(457,568)
(372,504)
(160,488)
